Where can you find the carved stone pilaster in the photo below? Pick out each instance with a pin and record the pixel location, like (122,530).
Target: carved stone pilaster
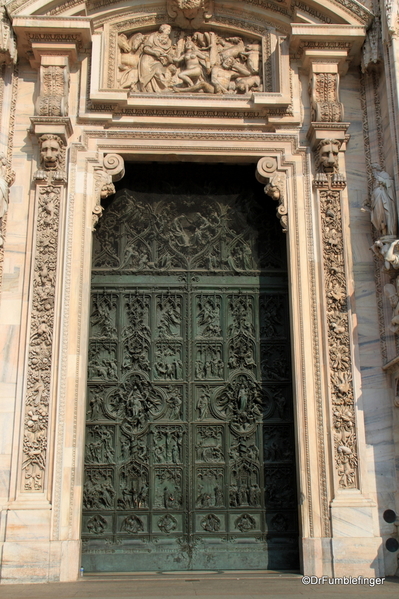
(113,170)
(328,183)
(276,186)
(8,47)
(50,181)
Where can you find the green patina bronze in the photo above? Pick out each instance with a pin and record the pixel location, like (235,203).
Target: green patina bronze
(189,437)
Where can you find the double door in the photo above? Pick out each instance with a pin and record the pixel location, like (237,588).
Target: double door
(189,437)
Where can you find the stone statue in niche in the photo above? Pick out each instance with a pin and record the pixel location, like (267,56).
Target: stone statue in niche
(172,61)
(383,208)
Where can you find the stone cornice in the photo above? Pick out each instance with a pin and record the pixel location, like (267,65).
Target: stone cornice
(349,11)
(51,30)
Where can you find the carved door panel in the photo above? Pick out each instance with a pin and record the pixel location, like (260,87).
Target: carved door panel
(189,438)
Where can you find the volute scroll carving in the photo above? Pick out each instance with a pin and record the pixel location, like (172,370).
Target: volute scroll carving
(113,170)
(276,186)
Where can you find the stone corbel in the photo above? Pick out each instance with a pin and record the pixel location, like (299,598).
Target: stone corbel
(112,170)
(276,186)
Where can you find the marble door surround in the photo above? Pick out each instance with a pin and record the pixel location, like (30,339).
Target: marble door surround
(94,108)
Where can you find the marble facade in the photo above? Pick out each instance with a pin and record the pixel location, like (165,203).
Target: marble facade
(308,93)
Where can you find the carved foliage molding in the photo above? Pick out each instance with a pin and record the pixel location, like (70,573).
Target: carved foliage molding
(40,353)
(342,395)
(324,92)
(54,87)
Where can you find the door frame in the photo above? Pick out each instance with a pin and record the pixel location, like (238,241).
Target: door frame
(309,342)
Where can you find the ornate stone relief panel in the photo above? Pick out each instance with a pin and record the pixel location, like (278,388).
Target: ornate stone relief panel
(172,60)
(49,194)
(328,182)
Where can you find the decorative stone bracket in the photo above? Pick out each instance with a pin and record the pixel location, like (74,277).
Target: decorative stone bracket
(190,14)
(276,186)
(113,170)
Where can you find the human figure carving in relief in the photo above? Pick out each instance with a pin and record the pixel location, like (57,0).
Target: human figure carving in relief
(383,208)
(131,52)
(157,56)
(173,62)
(195,61)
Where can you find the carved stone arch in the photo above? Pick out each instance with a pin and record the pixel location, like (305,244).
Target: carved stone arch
(334,11)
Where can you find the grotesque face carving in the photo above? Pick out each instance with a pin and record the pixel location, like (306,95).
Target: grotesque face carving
(328,156)
(50,152)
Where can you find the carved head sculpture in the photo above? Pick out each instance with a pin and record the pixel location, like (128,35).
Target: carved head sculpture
(327,155)
(51,148)
(165,30)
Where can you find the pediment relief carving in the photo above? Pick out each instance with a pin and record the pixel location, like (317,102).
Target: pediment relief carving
(171,60)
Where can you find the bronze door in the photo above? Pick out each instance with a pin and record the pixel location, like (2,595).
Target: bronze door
(189,437)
